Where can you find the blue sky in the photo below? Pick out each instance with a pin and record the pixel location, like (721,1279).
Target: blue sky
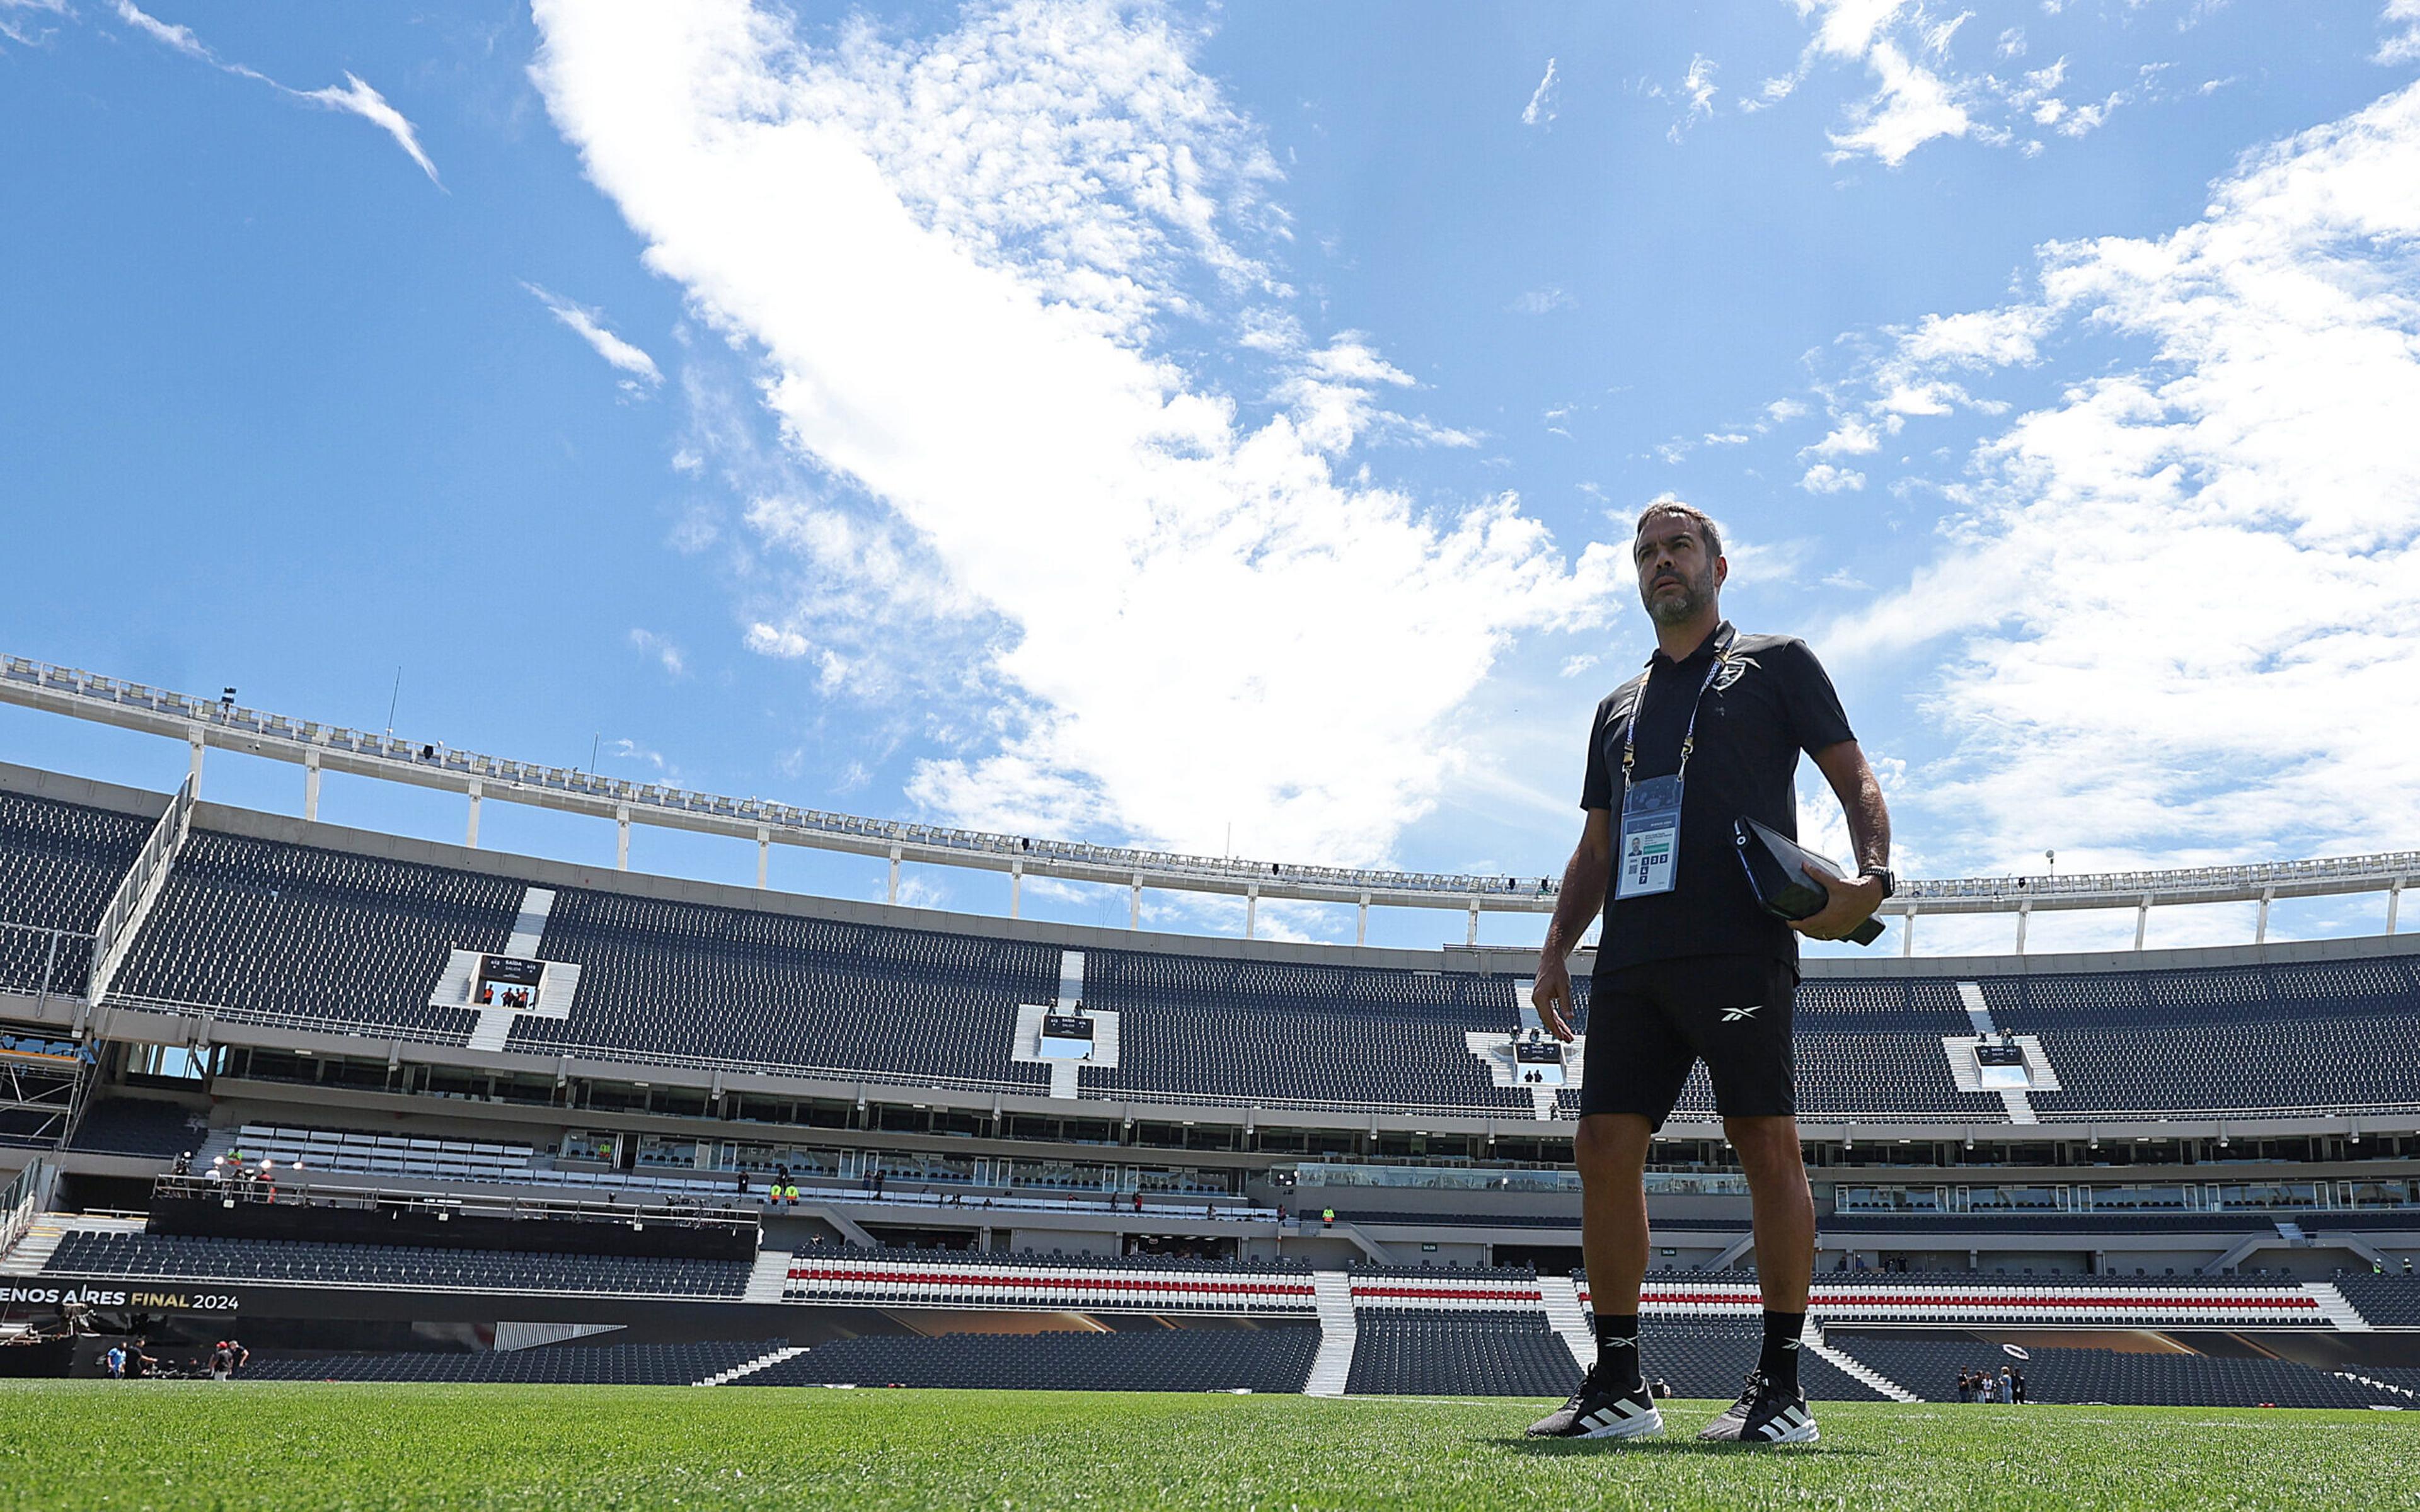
(1204,427)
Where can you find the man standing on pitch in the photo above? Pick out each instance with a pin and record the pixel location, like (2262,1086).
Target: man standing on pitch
(1689,966)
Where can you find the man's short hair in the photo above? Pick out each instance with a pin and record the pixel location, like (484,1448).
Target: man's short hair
(1708,531)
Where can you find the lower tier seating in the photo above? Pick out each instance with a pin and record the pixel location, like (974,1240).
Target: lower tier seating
(1711,1357)
(2386,1301)
(1160,1359)
(189,1258)
(1432,1352)
(614,1364)
(1928,1365)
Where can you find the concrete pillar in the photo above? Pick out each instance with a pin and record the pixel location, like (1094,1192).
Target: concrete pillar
(1134,912)
(1471,936)
(892,896)
(311,785)
(472,838)
(2142,920)
(1015,889)
(621,836)
(1252,910)
(2025,913)
(195,737)
(2394,898)
(1361,922)
(2260,934)
(1907,932)
(763,854)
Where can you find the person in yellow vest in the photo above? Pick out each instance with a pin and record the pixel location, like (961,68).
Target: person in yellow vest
(790,1193)
(1328,1217)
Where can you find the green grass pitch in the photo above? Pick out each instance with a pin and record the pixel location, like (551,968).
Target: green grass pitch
(195,1446)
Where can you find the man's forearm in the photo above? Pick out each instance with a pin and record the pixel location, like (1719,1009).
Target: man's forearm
(1869,833)
(1576,908)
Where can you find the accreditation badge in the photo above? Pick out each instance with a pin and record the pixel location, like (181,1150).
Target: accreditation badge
(1651,838)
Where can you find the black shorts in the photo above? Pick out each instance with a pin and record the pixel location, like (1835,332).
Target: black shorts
(1649,1023)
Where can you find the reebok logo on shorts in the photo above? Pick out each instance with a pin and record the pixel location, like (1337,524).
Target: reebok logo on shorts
(1733,1015)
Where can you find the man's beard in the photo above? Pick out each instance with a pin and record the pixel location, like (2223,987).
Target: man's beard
(1683,606)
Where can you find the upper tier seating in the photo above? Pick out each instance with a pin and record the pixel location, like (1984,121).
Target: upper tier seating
(2386,1301)
(139,1126)
(1425,1352)
(1195,1026)
(1928,1365)
(607,1364)
(250,925)
(753,989)
(2336,1034)
(85,1253)
(59,863)
(1160,1359)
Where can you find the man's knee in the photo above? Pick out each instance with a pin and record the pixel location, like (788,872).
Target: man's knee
(1767,1148)
(1611,1146)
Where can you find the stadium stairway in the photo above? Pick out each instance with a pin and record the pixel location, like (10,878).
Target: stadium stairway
(42,1236)
(1338,1333)
(763,1362)
(2337,1308)
(1871,1377)
(768,1278)
(1568,1319)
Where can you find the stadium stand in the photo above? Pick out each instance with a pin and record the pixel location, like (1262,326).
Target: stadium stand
(1179,1359)
(603,1365)
(1430,1351)
(2383,1301)
(1709,1357)
(1928,1365)
(2251,1037)
(1195,1028)
(139,1126)
(960,1278)
(689,982)
(291,1262)
(59,862)
(293,933)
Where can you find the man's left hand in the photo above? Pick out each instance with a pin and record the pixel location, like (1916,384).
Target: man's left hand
(1852,904)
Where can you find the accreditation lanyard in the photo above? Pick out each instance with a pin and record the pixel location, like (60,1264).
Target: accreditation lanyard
(1651,810)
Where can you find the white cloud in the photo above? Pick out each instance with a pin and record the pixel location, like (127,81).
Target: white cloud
(1911,107)
(1540,111)
(1544,301)
(956,259)
(2403,46)
(666,654)
(2183,596)
(1852,437)
(1574,665)
(353,98)
(590,326)
(1825,478)
(20,19)
(1697,93)
(765,641)
(1781,412)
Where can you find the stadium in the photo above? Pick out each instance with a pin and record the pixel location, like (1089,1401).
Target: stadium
(404,1112)
(783,752)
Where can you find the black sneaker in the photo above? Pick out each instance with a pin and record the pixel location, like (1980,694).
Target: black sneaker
(1595,1412)
(1764,1414)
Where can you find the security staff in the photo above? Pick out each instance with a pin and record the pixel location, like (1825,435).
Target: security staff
(1689,967)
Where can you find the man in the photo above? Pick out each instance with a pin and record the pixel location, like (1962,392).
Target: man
(1689,966)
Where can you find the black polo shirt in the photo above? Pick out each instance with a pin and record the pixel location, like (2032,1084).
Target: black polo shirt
(1771,702)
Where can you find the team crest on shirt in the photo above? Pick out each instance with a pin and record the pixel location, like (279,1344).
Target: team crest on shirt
(1734,667)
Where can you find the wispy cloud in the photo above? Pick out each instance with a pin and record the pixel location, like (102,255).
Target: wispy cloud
(2401,46)
(666,654)
(353,98)
(2184,595)
(21,21)
(590,326)
(960,258)
(1540,111)
(1544,301)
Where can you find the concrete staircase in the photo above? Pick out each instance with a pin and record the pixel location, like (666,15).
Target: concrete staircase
(1569,1320)
(42,1236)
(2337,1308)
(1338,1332)
(768,1277)
(1862,1371)
(737,1372)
